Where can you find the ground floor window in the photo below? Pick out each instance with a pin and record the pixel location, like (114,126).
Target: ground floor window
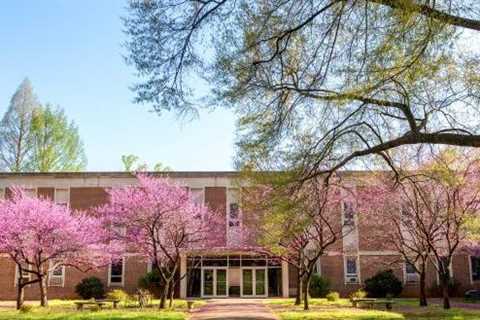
(411,275)
(351,269)
(475,263)
(116,273)
(56,277)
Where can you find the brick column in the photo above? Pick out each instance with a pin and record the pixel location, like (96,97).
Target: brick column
(183,273)
(285,284)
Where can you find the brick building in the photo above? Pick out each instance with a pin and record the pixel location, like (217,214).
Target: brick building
(225,271)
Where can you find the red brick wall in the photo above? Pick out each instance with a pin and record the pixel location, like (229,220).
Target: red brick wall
(216,199)
(47,193)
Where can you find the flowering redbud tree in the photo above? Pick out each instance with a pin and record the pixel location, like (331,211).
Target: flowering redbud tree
(160,220)
(426,213)
(40,236)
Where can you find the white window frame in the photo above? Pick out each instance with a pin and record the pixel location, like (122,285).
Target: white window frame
(318,265)
(405,275)
(230,201)
(55,197)
(351,275)
(15,278)
(52,276)
(450,270)
(355,222)
(470,269)
(116,284)
(198,189)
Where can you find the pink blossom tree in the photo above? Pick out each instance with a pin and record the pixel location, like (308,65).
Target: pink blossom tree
(427,212)
(160,221)
(40,236)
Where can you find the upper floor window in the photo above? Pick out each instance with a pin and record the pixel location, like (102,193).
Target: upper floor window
(317,268)
(348,213)
(116,273)
(197,195)
(62,196)
(475,266)
(233,208)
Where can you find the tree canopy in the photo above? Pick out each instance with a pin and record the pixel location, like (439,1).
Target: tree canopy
(316,84)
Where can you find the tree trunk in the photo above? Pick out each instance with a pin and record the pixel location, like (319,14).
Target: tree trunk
(171,291)
(423,293)
(20,293)
(306,285)
(43,291)
(446,297)
(164,296)
(298,298)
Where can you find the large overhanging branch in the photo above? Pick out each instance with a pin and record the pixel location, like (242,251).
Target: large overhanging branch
(428,11)
(411,138)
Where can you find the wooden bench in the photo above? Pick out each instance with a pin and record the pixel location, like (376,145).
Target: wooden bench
(114,302)
(371,302)
(356,301)
(80,304)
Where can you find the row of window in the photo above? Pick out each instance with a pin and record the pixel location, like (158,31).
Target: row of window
(411,276)
(116,272)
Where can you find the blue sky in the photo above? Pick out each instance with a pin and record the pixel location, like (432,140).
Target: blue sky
(72,53)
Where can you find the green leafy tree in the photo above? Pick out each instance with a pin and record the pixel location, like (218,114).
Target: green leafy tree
(56,142)
(132,163)
(15,137)
(318,84)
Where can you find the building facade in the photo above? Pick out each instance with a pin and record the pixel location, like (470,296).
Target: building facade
(226,271)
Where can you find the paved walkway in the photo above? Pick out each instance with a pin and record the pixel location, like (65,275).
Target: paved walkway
(233,309)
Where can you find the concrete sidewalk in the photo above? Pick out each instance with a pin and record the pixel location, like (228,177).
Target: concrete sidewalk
(233,309)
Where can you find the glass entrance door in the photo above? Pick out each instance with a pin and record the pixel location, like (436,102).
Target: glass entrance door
(254,282)
(214,282)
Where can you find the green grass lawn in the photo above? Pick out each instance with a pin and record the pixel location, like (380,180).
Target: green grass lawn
(404,309)
(66,309)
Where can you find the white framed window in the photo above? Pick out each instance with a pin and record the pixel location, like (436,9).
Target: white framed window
(198,195)
(474,268)
(30,192)
(116,273)
(348,213)
(62,196)
(26,276)
(233,209)
(351,266)
(411,275)
(317,269)
(443,261)
(56,276)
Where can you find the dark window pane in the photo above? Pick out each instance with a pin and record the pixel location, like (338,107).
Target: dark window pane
(352,266)
(475,268)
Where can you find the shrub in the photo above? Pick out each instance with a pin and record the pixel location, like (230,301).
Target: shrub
(383,284)
(26,308)
(118,294)
(319,286)
(359,294)
(90,287)
(152,282)
(333,296)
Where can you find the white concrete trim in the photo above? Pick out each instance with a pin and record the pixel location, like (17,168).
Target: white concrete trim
(285,280)
(183,276)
